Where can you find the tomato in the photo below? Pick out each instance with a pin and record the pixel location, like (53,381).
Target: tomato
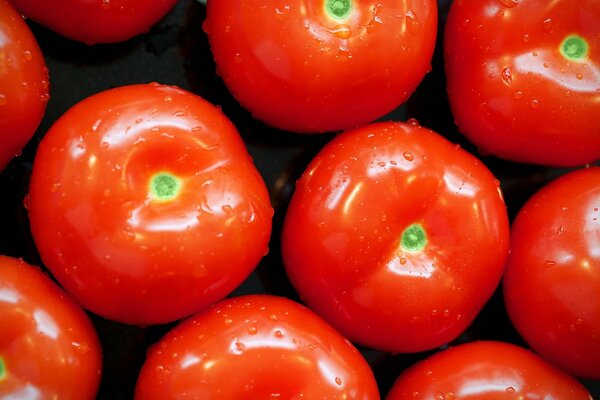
(48,346)
(552,282)
(396,236)
(145,204)
(523,78)
(23,83)
(320,65)
(96,21)
(486,370)
(255,347)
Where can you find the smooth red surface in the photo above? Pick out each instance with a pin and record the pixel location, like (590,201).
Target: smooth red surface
(96,21)
(486,371)
(255,347)
(295,67)
(342,231)
(48,345)
(121,252)
(552,283)
(511,91)
(23,84)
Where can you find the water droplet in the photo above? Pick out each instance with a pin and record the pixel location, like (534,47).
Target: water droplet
(228,321)
(579,76)
(568,93)
(252,330)
(279,334)
(534,103)
(507,75)
(105,4)
(526,38)
(412,122)
(518,95)
(412,22)
(510,3)
(168,99)
(500,14)
(341,31)
(402,260)
(338,381)
(535,53)
(27,55)
(408,156)
(547,23)
(510,389)
(549,263)
(3,99)
(237,58)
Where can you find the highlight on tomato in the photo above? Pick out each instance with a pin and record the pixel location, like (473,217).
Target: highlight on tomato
(552,281)
(96,21)
(145,204)
(49,349)
(23,84)
(321,65)
(396,236)
(486,370)
(523,78)
(255,347)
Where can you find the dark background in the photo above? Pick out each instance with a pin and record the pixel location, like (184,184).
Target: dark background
(176,52)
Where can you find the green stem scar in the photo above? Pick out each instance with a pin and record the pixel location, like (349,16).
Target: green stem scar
(2,369)
(574,48)
(164,186)
(338,9)
(414,238)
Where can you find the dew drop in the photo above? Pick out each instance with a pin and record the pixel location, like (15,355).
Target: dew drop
(510,389)
(518,95)
(534,103)
(510,3)
(408,156)
(547,23)
(507,75)
(579,76)
(3,99)
(338,381)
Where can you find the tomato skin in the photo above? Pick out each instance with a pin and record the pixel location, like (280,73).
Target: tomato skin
(23,83)
(486,370)
(296,68)
(255,346)
(48,346)
(512,92)
(554,249)
(122,252)
(96,21)
(341,239)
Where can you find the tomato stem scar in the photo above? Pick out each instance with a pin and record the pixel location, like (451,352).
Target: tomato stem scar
(338,9)
(2,369)
(574,48)
(164,186)
(413,238)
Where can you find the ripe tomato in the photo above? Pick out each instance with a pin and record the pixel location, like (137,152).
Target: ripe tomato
(48,346)
(486,371)
(552,282)
(96,21)
(255,347)
(23,83)
(321,65)
(524,78)
(396,236)
(145,204)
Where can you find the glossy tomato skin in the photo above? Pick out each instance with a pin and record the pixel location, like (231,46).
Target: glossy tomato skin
(511,90)
(102,227)
(486,370)
(96,21)
(342,238)
(255,347)
(48,346)
(23,83)
(296,67)
(552,282)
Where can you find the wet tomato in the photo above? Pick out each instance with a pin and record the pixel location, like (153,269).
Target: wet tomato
(255,347)
(524,78)
(145,204)
(486,371)
(48,346)
(96,21)
(321,65)
(552,282)
(23,83)
(396,236)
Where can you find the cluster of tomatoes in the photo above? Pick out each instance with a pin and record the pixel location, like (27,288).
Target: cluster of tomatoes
(303,199)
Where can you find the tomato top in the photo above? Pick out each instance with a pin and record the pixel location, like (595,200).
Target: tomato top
(255,347)
(524,78)
(48,346)
(23,83)
(554,249)
(145,204)
(396,236)
(96,21)
(321,65)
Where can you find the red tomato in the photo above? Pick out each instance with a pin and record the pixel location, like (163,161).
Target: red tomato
(486,371)
(552,282)
(321,65)
(524,78)
(48,346)
(255,347)
(23,83)
(96,21)
(145,204)
(396,236)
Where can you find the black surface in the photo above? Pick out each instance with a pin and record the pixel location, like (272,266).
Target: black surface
(176,52)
